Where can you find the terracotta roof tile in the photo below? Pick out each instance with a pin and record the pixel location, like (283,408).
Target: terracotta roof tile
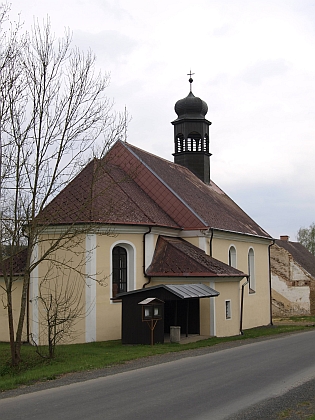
(209,202)
(104,193)
(131,186)
(17,262)
(177,257)
(155,187)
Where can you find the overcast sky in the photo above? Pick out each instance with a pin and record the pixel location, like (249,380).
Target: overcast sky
(254,65)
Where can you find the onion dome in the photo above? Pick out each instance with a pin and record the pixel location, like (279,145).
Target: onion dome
(191,107)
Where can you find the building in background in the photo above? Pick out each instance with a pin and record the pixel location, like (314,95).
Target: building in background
(293,278)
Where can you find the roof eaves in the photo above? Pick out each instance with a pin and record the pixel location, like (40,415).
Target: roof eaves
(174,289)
(204,275)
(268,237)
(193,290)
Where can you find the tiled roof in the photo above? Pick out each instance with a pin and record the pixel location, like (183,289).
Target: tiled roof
(104,193)
(209,202)
(154,186)
(175,257)
(131,186)
(300,254)
(17,262)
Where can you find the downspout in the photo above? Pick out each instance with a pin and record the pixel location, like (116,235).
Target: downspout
(242,306)
(28,315)
(211,238)
(270,290)
(144,273)
(28,301)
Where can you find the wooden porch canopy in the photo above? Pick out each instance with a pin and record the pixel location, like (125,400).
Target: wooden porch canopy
(180,307)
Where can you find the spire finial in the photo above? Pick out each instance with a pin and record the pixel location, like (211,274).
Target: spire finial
(190,79)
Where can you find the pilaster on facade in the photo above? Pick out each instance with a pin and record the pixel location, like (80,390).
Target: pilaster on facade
(34,291)
(90,288)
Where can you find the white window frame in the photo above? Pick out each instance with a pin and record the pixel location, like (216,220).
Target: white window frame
(232,256)
(251,271)
(228,309)
(131,265)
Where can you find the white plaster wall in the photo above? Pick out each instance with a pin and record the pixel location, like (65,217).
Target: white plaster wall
(298,296)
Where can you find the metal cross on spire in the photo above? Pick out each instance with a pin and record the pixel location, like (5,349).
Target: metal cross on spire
(190,79)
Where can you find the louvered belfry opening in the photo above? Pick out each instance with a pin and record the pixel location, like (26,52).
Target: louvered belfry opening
(191,136)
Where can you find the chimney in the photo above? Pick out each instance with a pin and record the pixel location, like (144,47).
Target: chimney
(284,238)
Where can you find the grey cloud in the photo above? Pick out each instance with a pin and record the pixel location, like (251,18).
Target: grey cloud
(222,30)
(106,44)
(264,69)
(278,208)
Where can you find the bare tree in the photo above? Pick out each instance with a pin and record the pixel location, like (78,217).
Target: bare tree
(61,306)
(55,114)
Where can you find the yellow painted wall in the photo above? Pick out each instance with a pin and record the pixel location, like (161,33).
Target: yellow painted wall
(192,240)
(58,280)
(108,313)
(228,291)
(16,295)
(205,316)
(256,305)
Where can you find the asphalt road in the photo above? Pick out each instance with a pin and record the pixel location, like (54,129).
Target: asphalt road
(214,386)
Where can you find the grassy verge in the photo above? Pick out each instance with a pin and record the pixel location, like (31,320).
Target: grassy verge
(81,357)
(300,411)
(306,318)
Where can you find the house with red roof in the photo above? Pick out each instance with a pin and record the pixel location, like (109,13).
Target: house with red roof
(292,278)
(146,221)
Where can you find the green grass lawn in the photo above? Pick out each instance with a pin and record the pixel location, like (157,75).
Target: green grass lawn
(80,357)
(305,318)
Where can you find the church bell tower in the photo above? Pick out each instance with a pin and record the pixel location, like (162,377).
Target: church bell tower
(191,135)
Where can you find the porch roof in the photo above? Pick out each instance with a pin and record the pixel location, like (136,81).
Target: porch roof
(176,257)
(181,291)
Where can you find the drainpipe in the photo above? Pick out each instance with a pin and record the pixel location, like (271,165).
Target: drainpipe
(211,237)
(144,273)
(28,315)
(270,292)
(28,300)
(242,305)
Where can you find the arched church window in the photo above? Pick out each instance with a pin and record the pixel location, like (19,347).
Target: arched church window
(119,276)
(232,256)
(251,271)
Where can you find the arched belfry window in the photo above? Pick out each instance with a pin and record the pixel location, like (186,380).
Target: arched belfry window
(179,143)
(195,143)
(251,270)
(119,276)
(232,256)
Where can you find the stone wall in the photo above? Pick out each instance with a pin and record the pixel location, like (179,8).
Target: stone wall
(293,289)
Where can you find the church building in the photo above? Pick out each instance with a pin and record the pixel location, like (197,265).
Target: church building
(147,224)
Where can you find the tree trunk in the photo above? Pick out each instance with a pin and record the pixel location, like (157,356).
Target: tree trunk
(11,327)
(19,331)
